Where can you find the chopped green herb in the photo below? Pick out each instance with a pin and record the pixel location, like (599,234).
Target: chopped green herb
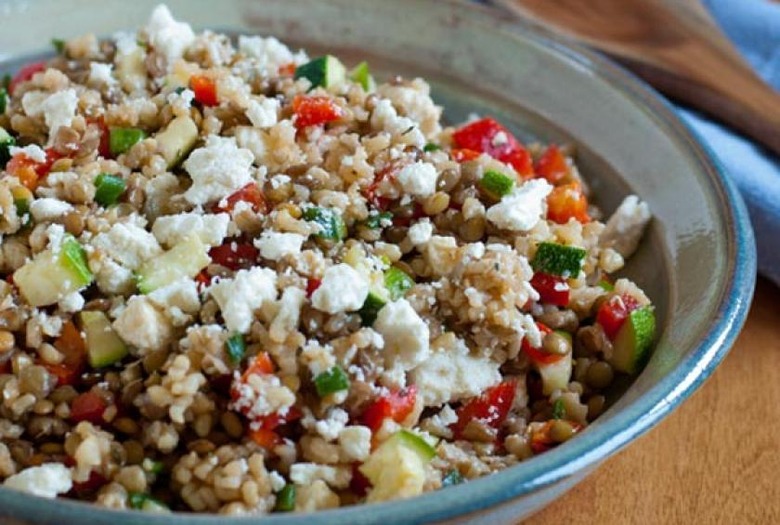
(235,348)
(108,188)
(331,224)
(331,381)
(431,147)
(452,477)
(179,90)
(122,139)
(146,503)
(153,466)
(6,142)
(397,282)
(3,99)
(285,500)
(558,409)
(59,45)
(496,184)
(606,285)
(558,259)
(379,220)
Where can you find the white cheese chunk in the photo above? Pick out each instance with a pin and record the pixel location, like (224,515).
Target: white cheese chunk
(355,442)
(238,298)
(217,170)
(451,374)
(405,334)
(343,289)
(263,112)
(275,245)
(48,209)
(167,36)
(143,326)
(100,74)
(58,109)
(211,229)
(127,244)
(177,299)
(46,480)
(521,209)
(418,179)
(32,152)
(625,227)
(420,232)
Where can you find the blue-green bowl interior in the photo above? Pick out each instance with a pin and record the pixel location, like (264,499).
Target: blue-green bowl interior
(697,261)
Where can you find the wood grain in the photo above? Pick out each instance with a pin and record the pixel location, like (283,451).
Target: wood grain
(676,46)
(715,460)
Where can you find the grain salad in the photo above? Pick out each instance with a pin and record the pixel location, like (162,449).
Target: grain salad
(238,279)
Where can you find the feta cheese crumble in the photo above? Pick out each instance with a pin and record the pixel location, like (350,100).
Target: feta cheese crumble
(238,298)
(343,289)
(47,480)
(168,36)
(521,210)
(274,245)
(217,170)
(418,179)
(625,227)
(211,229)
(405,334)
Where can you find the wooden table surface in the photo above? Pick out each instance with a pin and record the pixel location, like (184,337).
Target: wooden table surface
(714,460)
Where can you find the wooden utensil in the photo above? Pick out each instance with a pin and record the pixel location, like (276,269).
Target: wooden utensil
(676,47)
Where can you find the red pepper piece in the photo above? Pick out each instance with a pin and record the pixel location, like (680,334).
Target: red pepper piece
(205,90)
(488,136)
(613,313)
(552,165)
(395,405)
(552,288)
(234,255)
(491,407)
(251,194)
(25,74)
(311,286)
(71,345)
(566,202)
(537,354)
(88,407)
(314,110)
(359,484)
(464,154)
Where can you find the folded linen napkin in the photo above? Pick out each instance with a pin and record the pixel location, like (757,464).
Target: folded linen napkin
(754,27)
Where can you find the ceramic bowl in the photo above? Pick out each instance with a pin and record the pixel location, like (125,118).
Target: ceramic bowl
(697,261)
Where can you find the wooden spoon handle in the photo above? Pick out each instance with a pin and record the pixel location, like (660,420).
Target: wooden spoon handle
(676,47)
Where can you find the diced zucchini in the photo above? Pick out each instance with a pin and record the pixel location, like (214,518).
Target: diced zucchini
(558,409)
(104,346)
(496,184)
(606,285)
(51,275)
(331,224)
(397,282)
(431,147)
(22,199)
(6,141)
(186,259)
(558,259)
(397,468)
(370,309)
(58,44)
(122,139)
(108,188)
(177,140)
(235,348)
(331,381)
(327,71)
(285,500)
(361,74)
(633,341)
(146,503)
(555,375)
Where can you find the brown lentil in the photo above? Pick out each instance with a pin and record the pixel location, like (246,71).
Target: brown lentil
(599,375)
(561,431)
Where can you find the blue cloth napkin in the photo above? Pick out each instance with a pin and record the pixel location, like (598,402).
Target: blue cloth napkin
(754,27)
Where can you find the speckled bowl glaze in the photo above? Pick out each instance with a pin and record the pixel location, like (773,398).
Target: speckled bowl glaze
(697,261)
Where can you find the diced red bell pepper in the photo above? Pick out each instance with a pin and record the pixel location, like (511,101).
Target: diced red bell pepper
(205,90)
(260,365)
(566,202)
(491,408)
(552,289)
(83,489)
(104,147)
(541,441)
(488,136)
(314,110)
(287,70)
(203,279)
(552,165)
(538,355)
(405,222)
(359,484)
(613,313)
(234,255)
(265,438)
(29,171)
(71,345)
(88,407)
(386,173)
(251,194)
(463,154)
(396,405)
(25,74)
(311,286)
